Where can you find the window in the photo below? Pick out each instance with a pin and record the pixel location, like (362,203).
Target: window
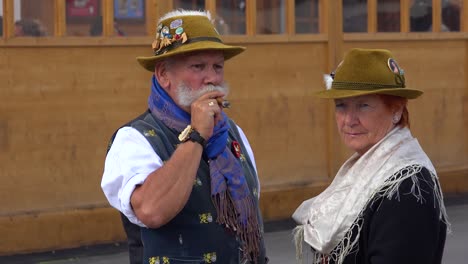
(129,18)
(259,20)
(307,16)
(1,18)
(451,15)
(84,17)
(230,17)
(421,16)
(354,15)
(271,17)
(34,18)
(388,15)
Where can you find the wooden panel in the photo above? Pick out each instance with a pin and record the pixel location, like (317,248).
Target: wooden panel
(71,115)
(59,230)
(59,119)
(55,124)
(281,204)
(279,114)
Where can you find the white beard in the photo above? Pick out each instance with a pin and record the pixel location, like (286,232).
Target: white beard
(186,95)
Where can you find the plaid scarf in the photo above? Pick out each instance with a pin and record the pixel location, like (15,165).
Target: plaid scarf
(230,193)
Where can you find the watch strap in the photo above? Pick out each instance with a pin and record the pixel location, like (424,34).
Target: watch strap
(196,137)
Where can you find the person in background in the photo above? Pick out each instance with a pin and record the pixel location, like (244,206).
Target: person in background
(29,27)
(421,17)
(385,204)
(451,14)
(183,171)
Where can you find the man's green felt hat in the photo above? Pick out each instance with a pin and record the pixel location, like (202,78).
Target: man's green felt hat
(368,71)
(184,31)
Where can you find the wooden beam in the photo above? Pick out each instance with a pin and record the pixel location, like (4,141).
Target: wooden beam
(151,12)
(107,18)
(322,16)
(436,15)
(372,16)
(290,17)
(335,55)
(251,17)
(404,16)
(60,22)
(335,32)
(464,17)
(210,5)
(8,19)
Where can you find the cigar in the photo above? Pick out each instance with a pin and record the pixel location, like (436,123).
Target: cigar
(223,103)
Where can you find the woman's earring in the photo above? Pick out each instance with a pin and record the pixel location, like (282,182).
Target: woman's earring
(396,119)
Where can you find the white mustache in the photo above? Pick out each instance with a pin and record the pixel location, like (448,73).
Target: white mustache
(187,96)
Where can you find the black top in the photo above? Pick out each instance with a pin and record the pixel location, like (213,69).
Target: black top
(403,229)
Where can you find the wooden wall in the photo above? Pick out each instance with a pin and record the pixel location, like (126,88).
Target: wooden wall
(59,107)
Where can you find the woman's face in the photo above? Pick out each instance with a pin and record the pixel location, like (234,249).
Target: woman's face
(363,121)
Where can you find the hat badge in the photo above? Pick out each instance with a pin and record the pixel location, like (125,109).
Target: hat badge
(164,39)
(393,66)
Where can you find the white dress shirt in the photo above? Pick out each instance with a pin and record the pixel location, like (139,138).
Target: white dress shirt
(129,161)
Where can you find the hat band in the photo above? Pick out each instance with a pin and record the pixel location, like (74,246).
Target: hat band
(362,86)
(192,40)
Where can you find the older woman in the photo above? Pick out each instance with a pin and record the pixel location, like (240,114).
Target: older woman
(385,204)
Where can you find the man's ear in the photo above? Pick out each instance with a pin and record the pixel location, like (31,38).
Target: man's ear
(161,73)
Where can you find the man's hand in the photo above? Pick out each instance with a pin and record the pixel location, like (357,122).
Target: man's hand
(206,113)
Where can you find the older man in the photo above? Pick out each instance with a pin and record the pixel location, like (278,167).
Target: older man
(183,171)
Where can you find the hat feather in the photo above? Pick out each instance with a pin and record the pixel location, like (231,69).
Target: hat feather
(328,81)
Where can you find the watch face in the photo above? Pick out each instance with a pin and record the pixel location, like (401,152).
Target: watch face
(184,135)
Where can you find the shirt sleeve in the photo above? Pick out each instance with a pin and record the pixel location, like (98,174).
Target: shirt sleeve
(406,229)
(128,163)
(250,153)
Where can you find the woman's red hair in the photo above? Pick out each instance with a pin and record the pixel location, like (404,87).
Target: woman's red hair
(394,103)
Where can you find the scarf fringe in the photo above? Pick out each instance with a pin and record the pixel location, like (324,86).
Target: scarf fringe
(246,229)
(346,246)
(389,191)
(298,234)
(392,185)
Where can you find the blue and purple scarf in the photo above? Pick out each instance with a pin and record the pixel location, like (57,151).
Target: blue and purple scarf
(229,190)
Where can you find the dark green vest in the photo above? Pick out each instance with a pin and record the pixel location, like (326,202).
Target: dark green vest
(193,236)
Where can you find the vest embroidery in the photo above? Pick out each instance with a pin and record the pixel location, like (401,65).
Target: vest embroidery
(149,133)
(206,218)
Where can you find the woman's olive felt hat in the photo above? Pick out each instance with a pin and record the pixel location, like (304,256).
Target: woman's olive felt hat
(368,71)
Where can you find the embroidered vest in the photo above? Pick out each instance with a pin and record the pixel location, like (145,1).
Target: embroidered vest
(193,236)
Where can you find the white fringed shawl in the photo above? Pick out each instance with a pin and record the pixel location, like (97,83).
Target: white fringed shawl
(328,220)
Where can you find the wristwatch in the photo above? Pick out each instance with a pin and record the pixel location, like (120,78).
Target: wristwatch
(191,134)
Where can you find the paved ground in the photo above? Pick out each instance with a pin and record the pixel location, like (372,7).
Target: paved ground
(278,241)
